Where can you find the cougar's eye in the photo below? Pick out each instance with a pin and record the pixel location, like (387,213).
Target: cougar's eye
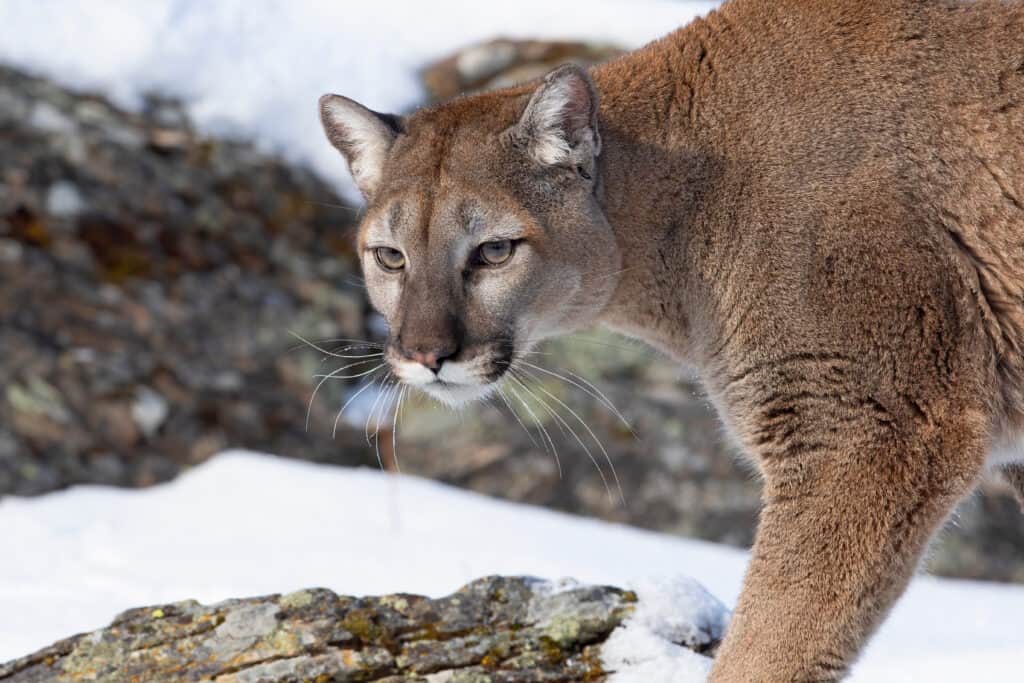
(389,259)
(496,253)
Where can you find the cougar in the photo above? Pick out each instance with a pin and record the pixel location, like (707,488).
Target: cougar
(818,205)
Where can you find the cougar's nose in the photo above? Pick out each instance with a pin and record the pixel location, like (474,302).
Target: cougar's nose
(430,357)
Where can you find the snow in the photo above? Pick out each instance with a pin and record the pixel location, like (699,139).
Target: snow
(246,524)
(670,610)
(256,67)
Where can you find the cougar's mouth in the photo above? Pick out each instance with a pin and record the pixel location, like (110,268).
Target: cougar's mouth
(456,382)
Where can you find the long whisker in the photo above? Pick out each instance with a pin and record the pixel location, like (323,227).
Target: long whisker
(380,418)
(385,406)
(385,387)
(394,429)
(561,421)
(515,414)
(364,342)
(379,350)
(599,395)
(322,349)
(339,349)
(337,419)
(565,428)
(549,444)
(334,375)
(590,431)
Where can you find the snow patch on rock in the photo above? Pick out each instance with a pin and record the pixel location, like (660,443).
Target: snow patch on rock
(673,617)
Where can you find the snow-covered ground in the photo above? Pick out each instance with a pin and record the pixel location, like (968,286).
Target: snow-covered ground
(256,67)
(245,524)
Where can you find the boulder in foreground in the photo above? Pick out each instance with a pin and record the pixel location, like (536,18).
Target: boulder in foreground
(496,629)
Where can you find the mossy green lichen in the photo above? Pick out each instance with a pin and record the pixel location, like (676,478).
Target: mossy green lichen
(361,623)
(296,600)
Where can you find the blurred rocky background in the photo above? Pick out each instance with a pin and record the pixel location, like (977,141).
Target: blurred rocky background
(150,280)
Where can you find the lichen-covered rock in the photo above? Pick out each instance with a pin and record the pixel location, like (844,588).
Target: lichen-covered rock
(494,630)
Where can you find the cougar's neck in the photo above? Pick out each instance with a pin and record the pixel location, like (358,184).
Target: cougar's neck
(657,172)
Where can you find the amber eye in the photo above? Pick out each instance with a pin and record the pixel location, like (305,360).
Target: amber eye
(496,253)
(389,259)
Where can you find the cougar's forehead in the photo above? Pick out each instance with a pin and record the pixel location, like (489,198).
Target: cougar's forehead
(458,138)
(421,219)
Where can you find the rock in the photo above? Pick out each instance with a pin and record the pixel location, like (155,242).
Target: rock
(502,62)
(149,410)
(143,315)
(496,629)
(64,200)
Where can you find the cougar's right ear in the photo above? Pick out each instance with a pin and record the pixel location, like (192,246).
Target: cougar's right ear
(363,137)
(559,124)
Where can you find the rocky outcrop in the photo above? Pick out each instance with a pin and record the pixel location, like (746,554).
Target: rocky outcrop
(507,630)
(149,277)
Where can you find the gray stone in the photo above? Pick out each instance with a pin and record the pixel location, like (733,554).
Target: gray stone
(490,630)
(64,200)
(48,118)
(149,410)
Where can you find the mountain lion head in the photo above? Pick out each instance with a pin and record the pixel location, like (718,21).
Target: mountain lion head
(483,233)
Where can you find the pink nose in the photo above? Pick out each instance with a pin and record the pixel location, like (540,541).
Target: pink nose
(432,358)
(428,358)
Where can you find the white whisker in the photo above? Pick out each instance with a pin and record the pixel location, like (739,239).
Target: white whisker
(394,428)
(381,416)
(325,351)
(337,419)
(566,429)
(540,426)
(515,414)
(599,395)
(334,375)
(590,431)
(385,387)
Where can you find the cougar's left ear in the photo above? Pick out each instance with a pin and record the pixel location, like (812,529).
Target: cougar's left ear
(559,125)
(363,136)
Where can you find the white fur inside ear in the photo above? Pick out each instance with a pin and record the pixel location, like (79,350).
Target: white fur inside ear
(360,135)
(560,120)
(550,144)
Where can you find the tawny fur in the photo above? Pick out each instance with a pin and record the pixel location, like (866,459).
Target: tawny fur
(820,205)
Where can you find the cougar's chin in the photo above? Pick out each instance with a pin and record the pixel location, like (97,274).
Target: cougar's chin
(455,395)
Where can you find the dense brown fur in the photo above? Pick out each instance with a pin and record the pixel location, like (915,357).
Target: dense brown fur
(821,206)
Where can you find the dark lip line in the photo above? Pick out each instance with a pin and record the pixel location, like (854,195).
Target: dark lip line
(443,383)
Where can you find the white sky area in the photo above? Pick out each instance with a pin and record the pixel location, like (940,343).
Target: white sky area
(244,524)
(256,68)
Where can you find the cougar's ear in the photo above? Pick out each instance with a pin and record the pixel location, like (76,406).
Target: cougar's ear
(559,125)
(363,137)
